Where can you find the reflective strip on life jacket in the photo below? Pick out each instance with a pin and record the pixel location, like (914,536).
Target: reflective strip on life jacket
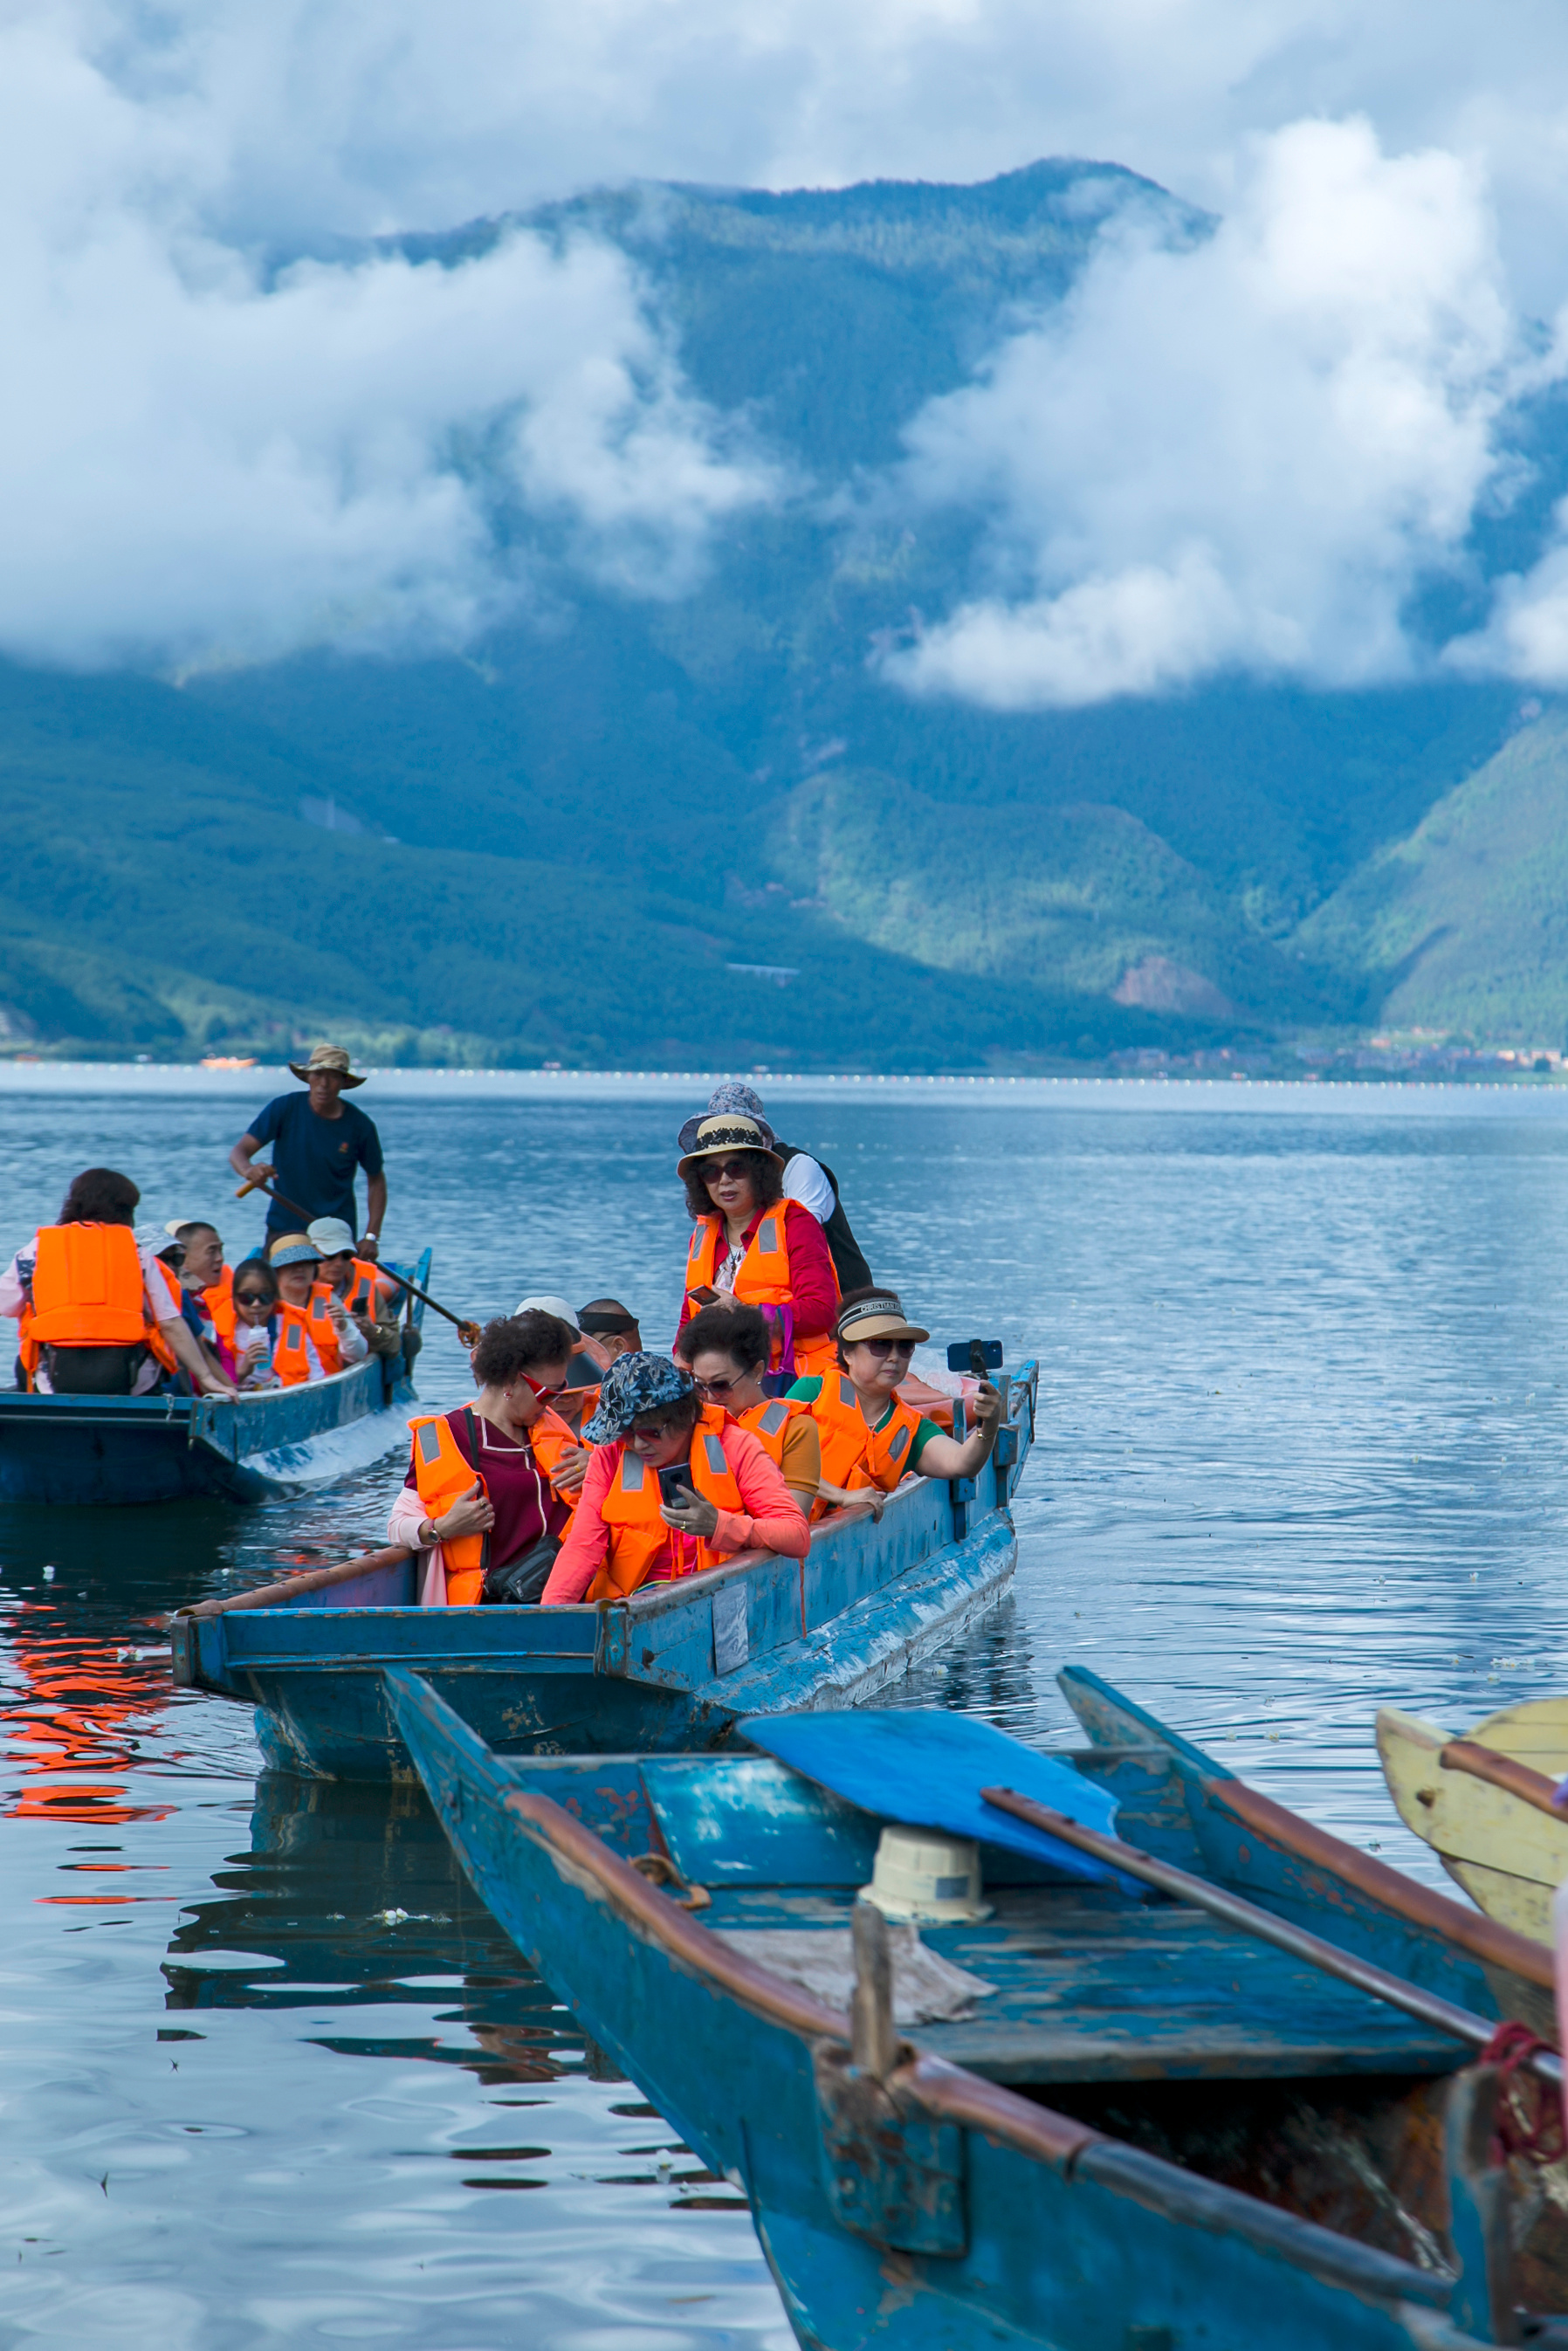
(290,1358)
(443,1475)
(638,1535)
(854,1455)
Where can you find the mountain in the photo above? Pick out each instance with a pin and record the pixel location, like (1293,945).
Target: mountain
(1463,926)
(703,828)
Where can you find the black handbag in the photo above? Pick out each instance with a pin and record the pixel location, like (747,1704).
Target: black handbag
(521,1582)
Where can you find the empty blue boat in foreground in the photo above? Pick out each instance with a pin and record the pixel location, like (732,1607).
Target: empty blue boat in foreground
(673,1667)
(249,1448)
(1083,2120)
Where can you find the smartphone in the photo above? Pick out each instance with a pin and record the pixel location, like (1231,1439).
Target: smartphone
(673,1482)
(704,1296)
(975,1356)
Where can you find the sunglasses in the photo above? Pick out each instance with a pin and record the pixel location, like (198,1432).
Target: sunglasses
(543,1393)
(713,1388)
(881,1349)
(252,1298)
(735,1169)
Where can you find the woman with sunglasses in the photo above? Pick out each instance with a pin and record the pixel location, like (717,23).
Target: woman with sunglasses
(724,1348)
(673,1486)
(490,1482)
(870,1438)
(751,1245)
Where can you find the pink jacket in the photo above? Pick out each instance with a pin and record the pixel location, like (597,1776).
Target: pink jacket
(771,1520)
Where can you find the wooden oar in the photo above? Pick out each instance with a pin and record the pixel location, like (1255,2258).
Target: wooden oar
(311,1579)
(1461,2023)
(466,1330)
(1504,1771)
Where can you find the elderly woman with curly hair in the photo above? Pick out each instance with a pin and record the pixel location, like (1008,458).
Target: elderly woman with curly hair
(752,1247)
(673,1486)
(493,1485)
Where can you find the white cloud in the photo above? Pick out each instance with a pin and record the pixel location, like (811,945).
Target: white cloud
(1241,454)
(198,462)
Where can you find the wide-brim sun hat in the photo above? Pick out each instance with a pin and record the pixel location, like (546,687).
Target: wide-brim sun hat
(330,1235)
(293,1248)
(633,1386)
(543,1305)
(881,1317)
(710,1137)
(327,1057)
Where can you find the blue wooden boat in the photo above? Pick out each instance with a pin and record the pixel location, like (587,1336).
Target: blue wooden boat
(160,1448)
(672,1667)
(1148,2132)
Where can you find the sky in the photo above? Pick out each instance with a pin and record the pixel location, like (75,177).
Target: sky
(1246,455)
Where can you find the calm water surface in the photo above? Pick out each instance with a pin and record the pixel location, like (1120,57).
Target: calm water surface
(271,2073)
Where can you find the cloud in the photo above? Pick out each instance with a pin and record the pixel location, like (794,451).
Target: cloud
(1242,454)
(203,460)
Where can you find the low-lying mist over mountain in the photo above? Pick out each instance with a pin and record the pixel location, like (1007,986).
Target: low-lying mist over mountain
(806,683)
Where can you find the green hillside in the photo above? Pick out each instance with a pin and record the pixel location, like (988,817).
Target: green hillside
(568,836)
(1463,926)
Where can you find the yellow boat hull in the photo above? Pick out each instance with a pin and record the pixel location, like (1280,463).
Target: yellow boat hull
(1508,1857)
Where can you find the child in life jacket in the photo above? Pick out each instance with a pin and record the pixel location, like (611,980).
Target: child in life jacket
(246,1351)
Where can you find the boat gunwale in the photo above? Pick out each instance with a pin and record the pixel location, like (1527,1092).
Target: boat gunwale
(946,2092)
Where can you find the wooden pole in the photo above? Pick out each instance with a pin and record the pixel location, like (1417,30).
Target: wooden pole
(312,1579)
(1461,2023)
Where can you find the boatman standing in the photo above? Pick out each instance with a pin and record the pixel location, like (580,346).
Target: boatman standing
(811,1182)
(319,1142)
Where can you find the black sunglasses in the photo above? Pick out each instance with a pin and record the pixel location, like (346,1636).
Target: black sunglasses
(253,1297)
(882,1348)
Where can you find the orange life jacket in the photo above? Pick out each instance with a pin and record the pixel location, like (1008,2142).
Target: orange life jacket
(364,1289)
(855,1456)
(767,1422)
(295,1324)
(443,1475)
(762,1279)
(638,1535)
(550,1436)
(219,1302)
(89,1291)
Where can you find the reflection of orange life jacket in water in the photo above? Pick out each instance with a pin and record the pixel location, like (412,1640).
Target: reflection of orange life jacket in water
(295,1324)
(855,1456)
(638,1535)
(443,1475)
(763,1279)
(89,1291)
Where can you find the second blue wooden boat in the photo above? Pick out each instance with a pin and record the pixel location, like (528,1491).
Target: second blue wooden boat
(161,1449)
(1144,2131)
(673,1666)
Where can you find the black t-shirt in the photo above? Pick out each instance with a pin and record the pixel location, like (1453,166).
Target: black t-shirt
(316,1159)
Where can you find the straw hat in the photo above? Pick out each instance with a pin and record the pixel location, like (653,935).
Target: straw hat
(878,1316)
(326,1057)
(710,1138)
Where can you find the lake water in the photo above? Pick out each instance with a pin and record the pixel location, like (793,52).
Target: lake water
(271,2075)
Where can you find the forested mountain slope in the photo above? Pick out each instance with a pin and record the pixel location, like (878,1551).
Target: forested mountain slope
(601,809)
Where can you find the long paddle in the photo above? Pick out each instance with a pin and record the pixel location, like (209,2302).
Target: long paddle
(1463,2023)
(468,1332)
(312,1579)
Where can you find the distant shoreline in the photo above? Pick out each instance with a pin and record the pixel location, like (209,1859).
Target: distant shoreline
(1527,1095)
